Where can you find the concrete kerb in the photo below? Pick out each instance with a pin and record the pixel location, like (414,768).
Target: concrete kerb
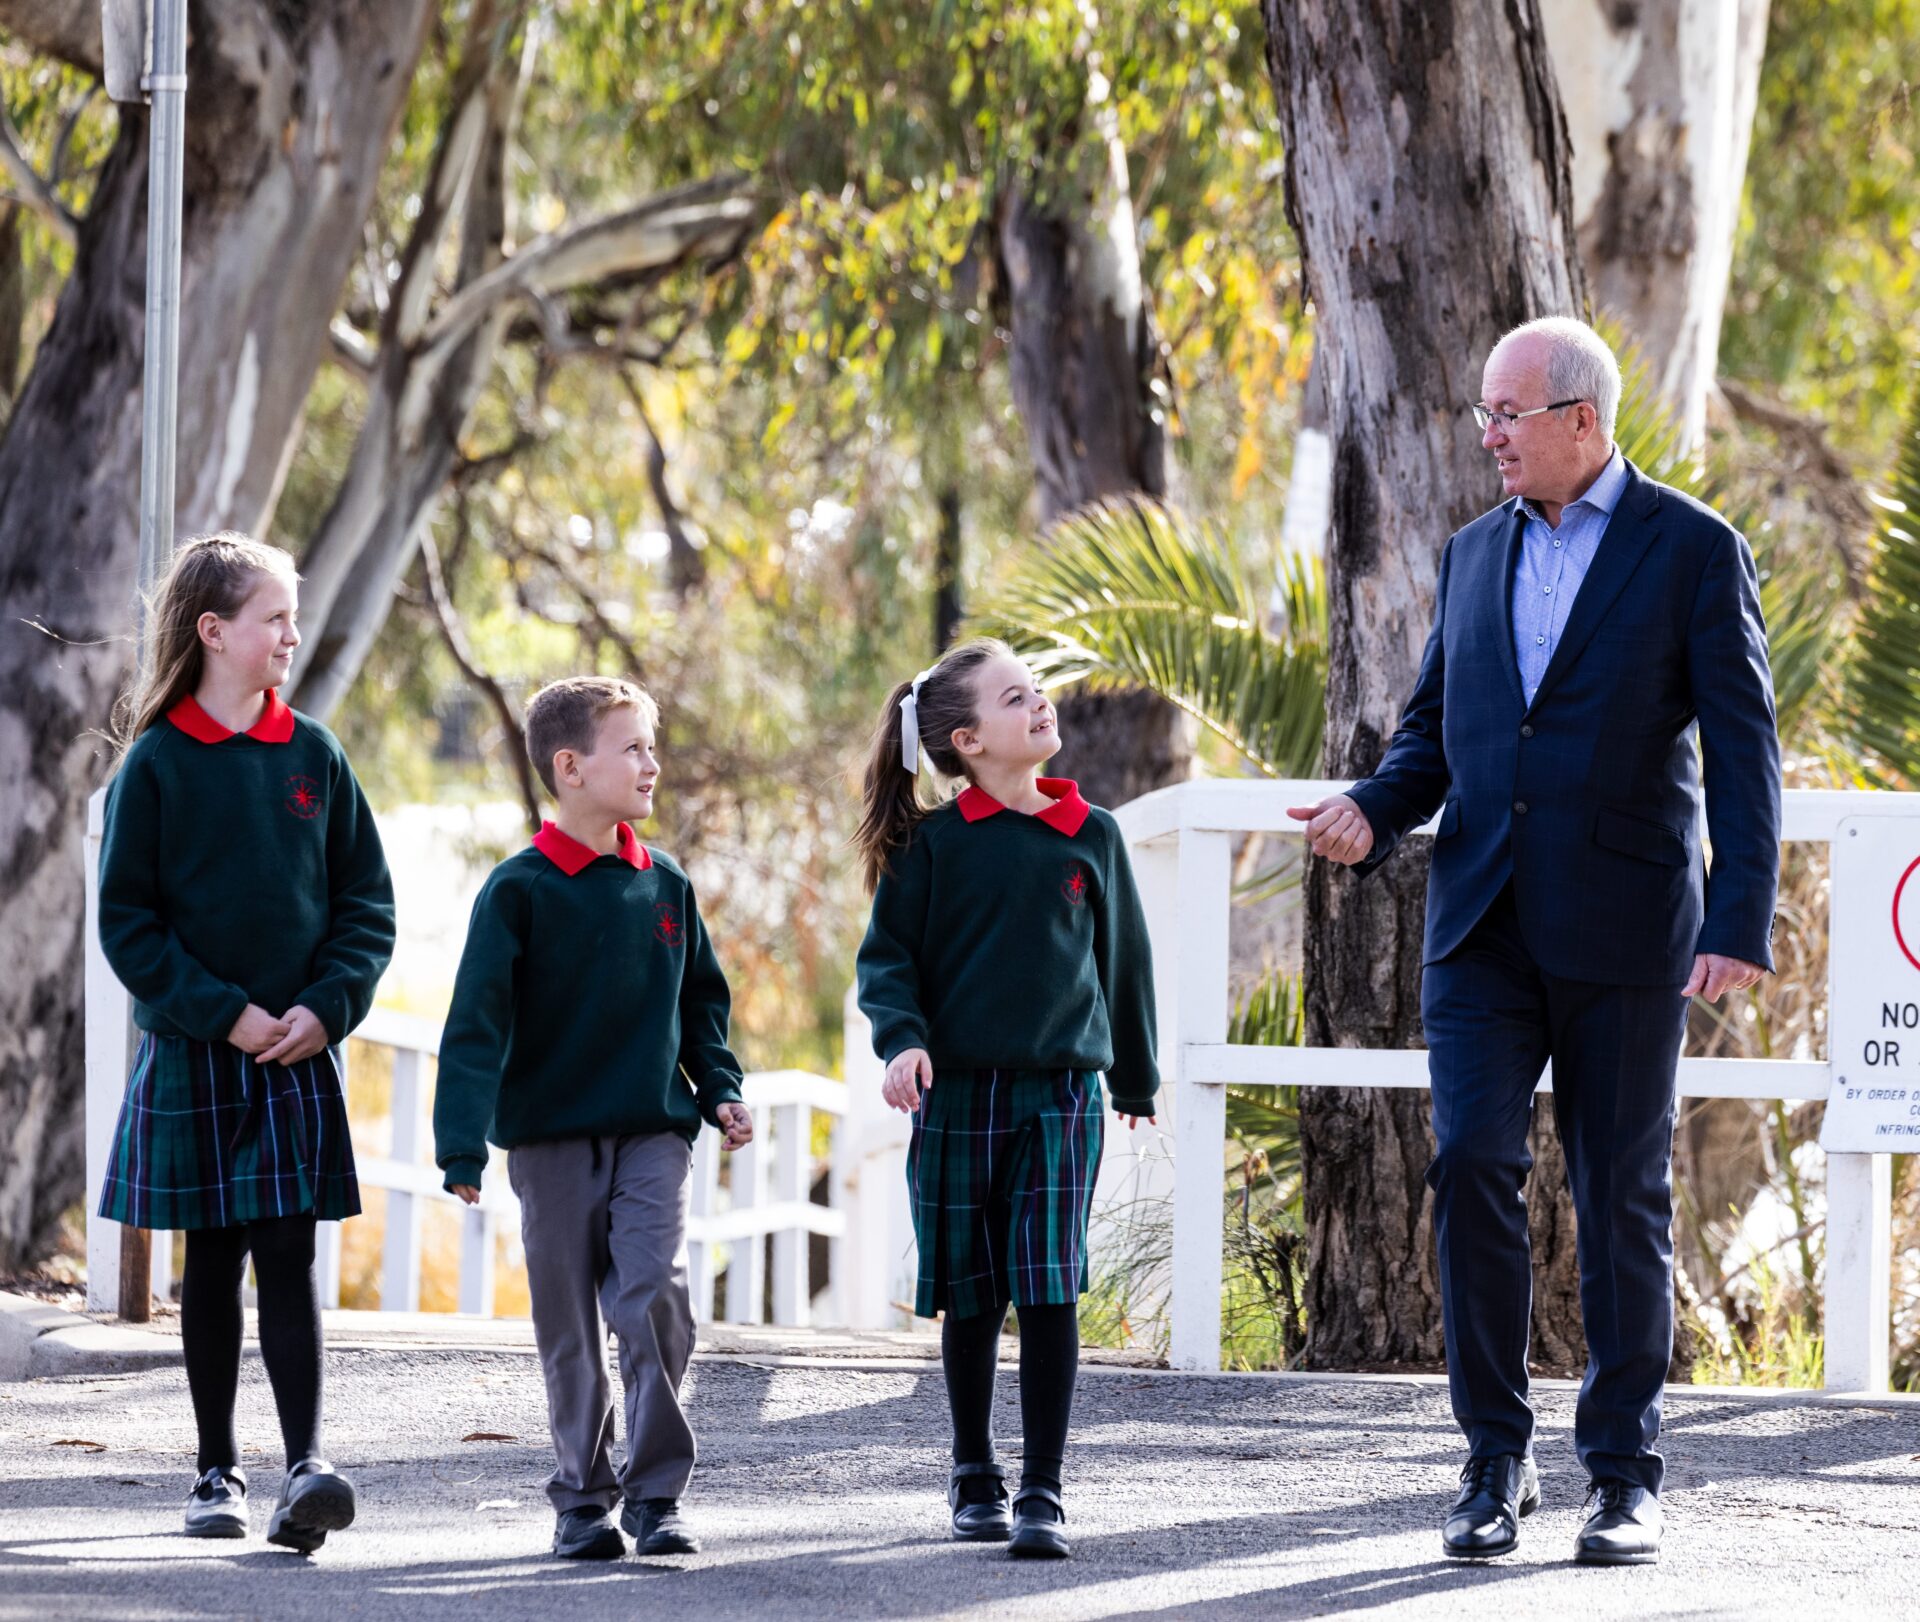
(41,1341)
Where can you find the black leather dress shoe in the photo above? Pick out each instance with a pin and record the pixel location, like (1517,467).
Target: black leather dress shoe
(1494,1493)
(978,1520)
(657,1527)
(1039,1526)
(587,1532)
(1624,1528)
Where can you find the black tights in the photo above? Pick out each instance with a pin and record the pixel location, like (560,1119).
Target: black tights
(210,1328)
(1049,1363)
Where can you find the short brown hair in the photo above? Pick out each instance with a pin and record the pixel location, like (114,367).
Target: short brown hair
(566,714)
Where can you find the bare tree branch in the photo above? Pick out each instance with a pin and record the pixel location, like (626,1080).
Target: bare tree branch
(454,634)
(35,191)
(686,567)
(352,348)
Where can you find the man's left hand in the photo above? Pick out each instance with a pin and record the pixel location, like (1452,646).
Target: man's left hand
(1714,974)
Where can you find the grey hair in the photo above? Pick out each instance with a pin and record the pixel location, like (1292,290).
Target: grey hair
(1580,366)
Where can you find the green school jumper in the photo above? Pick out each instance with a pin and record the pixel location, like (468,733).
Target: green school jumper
(589,1003)
(237,868)
(1014,950)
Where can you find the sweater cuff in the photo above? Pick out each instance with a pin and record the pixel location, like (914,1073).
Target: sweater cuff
(905,1042)
(463,1172)
(719,1088)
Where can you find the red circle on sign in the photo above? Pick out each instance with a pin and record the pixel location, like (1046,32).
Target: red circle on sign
(1897,891)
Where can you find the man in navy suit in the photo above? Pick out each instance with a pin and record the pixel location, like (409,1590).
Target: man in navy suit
(1585,632)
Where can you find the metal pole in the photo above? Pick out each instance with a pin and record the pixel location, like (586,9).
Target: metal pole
(166,157)
(166,87)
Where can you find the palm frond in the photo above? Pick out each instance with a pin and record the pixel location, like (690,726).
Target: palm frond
(1138,595)
(1879,710)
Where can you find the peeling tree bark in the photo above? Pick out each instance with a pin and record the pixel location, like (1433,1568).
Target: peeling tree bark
(288,119)
(1091,387)
(1660,97)
(1427,183)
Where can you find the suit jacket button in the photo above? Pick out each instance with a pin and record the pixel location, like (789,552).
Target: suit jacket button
(1520,807)
(1526,732)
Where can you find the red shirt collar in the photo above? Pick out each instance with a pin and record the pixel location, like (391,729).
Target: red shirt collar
(1066,814)
(274,726)
(570,856)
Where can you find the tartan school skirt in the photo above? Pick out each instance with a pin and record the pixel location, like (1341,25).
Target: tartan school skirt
(1000,1175)
(210,1138)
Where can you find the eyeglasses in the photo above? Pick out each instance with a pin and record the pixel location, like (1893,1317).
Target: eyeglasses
(1487,417)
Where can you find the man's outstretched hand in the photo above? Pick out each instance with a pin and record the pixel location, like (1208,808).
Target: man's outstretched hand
(1714,974)
(1336,829)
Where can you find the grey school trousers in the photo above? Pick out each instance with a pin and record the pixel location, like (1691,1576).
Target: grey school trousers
(604,1225)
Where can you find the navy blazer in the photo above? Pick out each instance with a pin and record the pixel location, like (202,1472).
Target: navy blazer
(1589,797)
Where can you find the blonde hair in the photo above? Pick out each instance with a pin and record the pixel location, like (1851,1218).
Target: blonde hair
(566,714)
(209,574)
(890,801)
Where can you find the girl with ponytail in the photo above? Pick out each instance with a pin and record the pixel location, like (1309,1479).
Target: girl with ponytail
(1005,969)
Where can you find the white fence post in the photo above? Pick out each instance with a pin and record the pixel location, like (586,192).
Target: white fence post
(109,1016)
(1859,1271)
(1202,911)
(792,1297)
(878,1261)
(478,1226)
(747,1254)
(702,1199)
(400,1261)
(327,1263)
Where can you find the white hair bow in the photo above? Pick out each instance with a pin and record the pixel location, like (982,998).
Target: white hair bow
(910,724)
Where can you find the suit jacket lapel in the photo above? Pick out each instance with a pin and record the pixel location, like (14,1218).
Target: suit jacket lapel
(1623,544)
(1501,599)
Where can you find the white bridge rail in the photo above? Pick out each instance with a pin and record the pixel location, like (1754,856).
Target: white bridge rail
(1182,840)
(767,1194)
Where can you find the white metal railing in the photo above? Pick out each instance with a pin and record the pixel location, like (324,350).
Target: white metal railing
(1182,842)
(768,1194)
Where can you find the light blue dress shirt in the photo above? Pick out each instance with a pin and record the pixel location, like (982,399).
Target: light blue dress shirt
(1552,564)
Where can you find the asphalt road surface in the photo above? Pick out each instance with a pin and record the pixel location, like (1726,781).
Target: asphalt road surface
(821,1494)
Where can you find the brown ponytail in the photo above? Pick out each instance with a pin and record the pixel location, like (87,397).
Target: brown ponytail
(890,799)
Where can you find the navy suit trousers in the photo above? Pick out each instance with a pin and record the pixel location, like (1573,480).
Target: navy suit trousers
(1493,1019)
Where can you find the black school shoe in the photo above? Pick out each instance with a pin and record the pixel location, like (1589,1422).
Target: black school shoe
(1039,1526)
(1624,1528)
(1494,1493)
(655,1526)
(314,1500)
(585,1532)
(217,1506)
(980,1521)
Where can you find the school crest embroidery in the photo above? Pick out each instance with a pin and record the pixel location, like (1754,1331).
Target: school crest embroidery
(303,798)
(667,926)
(1074,885)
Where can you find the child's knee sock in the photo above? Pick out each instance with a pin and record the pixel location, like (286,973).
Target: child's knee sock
(210,1326)
(1049,1365)
(290,1328)
(970,1351)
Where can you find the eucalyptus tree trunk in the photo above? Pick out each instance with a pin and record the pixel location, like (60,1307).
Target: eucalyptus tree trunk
(1092,389)
(1659,98)
(289,116)
(1427,182)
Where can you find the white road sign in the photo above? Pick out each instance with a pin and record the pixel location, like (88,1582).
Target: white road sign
(1874,1014)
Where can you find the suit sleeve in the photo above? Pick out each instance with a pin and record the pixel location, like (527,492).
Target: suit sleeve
(1124,955)
(347,969)
(1740,749)
(479,1027)
(887,969)
(705,1006)
(1412,778)
(149,959)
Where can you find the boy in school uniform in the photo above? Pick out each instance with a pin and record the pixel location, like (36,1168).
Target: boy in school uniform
(588,1038)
